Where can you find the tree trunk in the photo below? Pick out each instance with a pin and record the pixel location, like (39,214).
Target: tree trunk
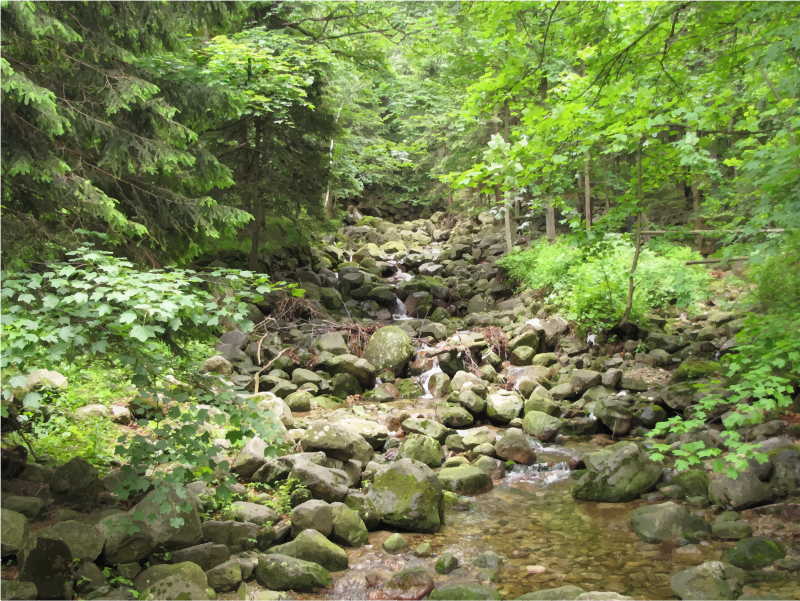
(631,285)
(258,208)
(588,199)
(698,221)
(550,223)
(509,239)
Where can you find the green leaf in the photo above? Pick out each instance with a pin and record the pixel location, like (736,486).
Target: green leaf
(128,317)
(142,333)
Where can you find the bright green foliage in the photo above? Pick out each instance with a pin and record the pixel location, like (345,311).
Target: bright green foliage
(589,283)
(763,373)
(97,306)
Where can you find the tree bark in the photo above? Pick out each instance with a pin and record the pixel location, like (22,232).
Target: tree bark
(550,223)
(588,198)
(509,239)
(698,221)
(631,286)
(258,208)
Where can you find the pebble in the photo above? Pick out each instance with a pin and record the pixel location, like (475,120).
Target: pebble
(536,569)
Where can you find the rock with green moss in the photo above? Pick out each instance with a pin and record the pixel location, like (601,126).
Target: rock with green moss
(464,591)
(407,494)
(692,482)
(541,404)
(503,406)
(542,426)
(344,385)
(362,369)
(348,527)
(17,589)
(299,401)
(390,348)
(413,582)
(312,546)
(455,416)
(711,580)
(176,581)
(755,552)
(744,491)
(284,573)
(465,479)
(623,474)
(15,528)
(395,543)
(423,449)
(446,563)
(409,389)
(562,593)
(666,521)
(427,427)
(695,369)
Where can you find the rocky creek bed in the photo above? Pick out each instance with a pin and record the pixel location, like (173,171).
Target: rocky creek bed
(452,440)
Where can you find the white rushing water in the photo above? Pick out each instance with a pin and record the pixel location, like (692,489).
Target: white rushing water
(399,311)
(425,378)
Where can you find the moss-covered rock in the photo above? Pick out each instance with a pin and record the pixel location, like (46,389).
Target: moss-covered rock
(284,573)
(622,474)
(389,348)
(755,552)
(542,426)
(423,449)
(312,546)
(407,494)
(695,369)
(464,591)
(666,521)
(465,479)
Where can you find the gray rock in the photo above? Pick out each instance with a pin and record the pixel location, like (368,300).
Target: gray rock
(286,573)
(243,511)
(225,576)
(207,555)
(389,348)
(666,521)
(408,495)
(711,580)
(88,578)
(620,473)
(160,525)
(513,445)
(361,504)
(83,541)
(427,427)
(217,365)
(177,581)
(348,528)
(568,593)
(236,536)
(503,406)
(326,484)
(334,440)
(311,545)
(124,544)
(15,528)
(755,552)
(17,589)
(743,492)
(423,449)
(250,458)
(48,565)
(333,343)
(465,479)
(314,514)
(542,426)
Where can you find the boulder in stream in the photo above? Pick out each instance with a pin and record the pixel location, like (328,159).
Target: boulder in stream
(711,580)
(619,473)
(389,349)
(407,494)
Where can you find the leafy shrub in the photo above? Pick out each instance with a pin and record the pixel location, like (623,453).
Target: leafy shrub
(590,283)
(762,374)
(96,307)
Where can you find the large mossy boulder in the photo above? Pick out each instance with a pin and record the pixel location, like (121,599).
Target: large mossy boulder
(465,480)
(389,349)
(412,582)
(746,490)
(284,573)
(423,449)
(695,369)
(335,440)
(15,529)
(407,494)
(542,426)
(711,580)
(169,517)
(503,406)
(348,527)
(312,546)
(755,552)
(177,581)
(464,591)
(666,521)
(623,474)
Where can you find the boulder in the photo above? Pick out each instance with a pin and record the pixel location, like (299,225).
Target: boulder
(427,427)
(217,365)
(17,589)
(389,349)
(374,433)
(335,440)
(250,458)
(364,508)
(666,521)
(333,343)
(542,426)
(168,516)
(395,543)
(562,593)
(253,513)
(299,401)
(324,483)
(48,564)
(177,581)
(312,546)
(408,495)
(236,536)
(503,406)
(755,552)
(464,590)
(362,369)
(15,528)
(514,446)
(225,577)
(348,528)
(82,481)
(465,480)
(743,492)
(423,449)
(414,582)
(622,473)
(207,555)
(344,385)
(83,541)
(455,416)
(711,580)
(284,573)
(123,543)
(584,379)
(315,514)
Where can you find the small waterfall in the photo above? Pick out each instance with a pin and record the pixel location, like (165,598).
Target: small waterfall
(399,311)
(425,378)
(539,473)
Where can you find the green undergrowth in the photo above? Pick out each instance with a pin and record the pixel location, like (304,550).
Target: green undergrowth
(589,284)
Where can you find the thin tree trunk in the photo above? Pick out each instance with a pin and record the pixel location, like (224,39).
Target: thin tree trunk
(550,222)
(258,208)
(509,239)
(698,221)
(605,188)
(588,199)
(631,286)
